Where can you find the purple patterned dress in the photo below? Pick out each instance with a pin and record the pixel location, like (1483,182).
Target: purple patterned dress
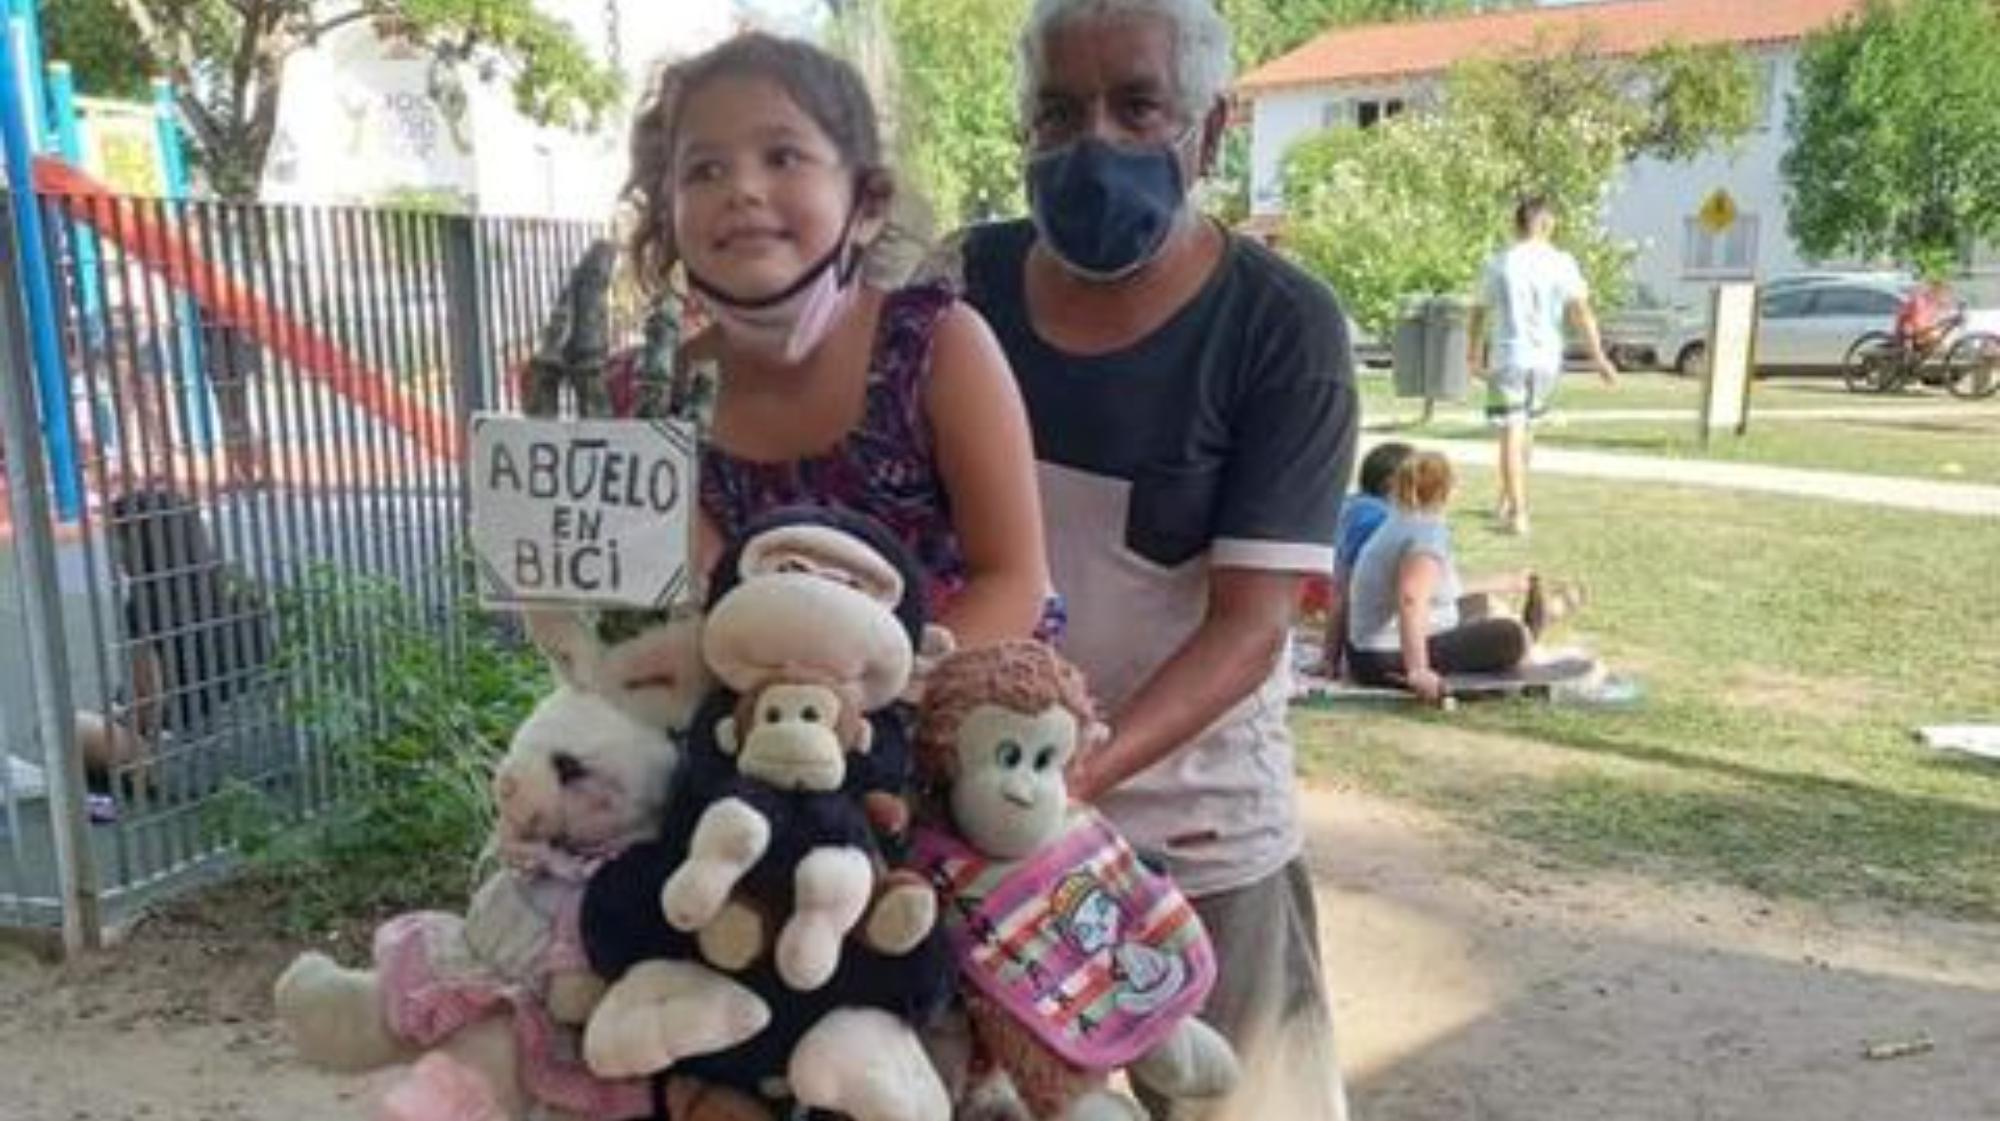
(885,467)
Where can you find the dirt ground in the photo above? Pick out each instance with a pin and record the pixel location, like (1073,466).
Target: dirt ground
(1471,984)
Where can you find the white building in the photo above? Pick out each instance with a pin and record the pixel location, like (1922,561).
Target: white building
(360,122)
(1353,77)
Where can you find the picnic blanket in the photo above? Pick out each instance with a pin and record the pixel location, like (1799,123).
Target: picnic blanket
(1567,676)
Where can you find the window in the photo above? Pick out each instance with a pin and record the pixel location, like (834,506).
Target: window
(1368,114)
(1770,107)
(1340,112)
(1733,252)
(1855,303)
(1786,305)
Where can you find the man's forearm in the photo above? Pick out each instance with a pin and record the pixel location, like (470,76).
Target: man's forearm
(1221,664)
(1586,325)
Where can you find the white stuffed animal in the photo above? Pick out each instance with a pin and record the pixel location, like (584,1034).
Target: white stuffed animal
(494,997)
(1074,959)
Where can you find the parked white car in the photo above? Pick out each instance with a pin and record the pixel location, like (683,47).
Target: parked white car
(1807,322)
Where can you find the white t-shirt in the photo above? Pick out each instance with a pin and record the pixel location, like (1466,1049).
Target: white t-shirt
(1223,439)
(1526,290)
(1374,592)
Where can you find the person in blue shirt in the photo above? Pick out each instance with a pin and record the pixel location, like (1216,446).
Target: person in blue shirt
(1360,516)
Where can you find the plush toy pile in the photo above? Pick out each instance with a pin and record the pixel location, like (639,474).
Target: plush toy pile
(716,901)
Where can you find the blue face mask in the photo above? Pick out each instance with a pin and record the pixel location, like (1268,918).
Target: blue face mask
(1105,210)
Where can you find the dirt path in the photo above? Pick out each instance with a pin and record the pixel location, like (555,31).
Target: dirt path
(1471,984)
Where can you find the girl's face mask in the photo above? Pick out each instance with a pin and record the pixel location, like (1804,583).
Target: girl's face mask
(790,325)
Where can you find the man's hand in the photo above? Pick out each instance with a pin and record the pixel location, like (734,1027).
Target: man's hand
(1426,684)
(1607,370)
(1083,781)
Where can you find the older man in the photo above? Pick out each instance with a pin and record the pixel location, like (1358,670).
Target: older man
(1194,411)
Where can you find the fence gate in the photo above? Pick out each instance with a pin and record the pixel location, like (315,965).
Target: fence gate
(256,396)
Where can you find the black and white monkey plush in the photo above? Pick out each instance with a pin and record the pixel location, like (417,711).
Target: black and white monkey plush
(796,772)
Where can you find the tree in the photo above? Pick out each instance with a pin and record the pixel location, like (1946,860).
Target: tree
(1414,204)
(100,44)
(227,59)
(1400,209)
(1895,134)
(958,126)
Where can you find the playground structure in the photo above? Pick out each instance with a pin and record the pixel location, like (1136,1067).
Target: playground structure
(348,345)
(44,128)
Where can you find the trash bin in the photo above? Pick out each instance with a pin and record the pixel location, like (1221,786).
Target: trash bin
(1446,321)
(1411,352)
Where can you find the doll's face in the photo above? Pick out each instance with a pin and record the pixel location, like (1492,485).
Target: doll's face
(809,598)
(581,773)
(1009,797)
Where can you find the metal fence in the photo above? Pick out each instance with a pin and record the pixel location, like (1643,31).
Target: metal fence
(246,397)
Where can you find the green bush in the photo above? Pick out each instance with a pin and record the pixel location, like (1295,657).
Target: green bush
(407,717)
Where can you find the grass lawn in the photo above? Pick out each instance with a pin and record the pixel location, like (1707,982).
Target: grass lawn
(1787,648)
(1960,443)
(1581,392)
(1955,449)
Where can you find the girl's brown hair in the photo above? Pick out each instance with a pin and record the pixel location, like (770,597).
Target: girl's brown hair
(824,87)
(1423,483)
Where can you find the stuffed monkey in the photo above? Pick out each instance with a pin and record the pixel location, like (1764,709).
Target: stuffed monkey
(814,627)
(1103,964)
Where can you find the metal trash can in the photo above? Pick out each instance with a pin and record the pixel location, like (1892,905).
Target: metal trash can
(1412,351)
(1447,319)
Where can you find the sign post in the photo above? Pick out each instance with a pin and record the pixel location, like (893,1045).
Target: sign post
(1732,360)
(583,512)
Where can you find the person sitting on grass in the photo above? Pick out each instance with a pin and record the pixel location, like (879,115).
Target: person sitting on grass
(1411,620)
(1360,516)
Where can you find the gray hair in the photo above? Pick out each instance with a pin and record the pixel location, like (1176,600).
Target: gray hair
(1203,64)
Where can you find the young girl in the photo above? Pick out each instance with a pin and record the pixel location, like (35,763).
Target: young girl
(757,169)
(1410,620)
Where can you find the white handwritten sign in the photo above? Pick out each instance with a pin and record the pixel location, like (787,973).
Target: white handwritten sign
(582,511)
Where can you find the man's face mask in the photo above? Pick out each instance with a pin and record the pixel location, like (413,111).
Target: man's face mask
(1105,210)
(793,323)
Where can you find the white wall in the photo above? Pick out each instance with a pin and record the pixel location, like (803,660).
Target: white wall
(1653,201)
(1649,205)
(1277,122)
(1283,119)
(357,122)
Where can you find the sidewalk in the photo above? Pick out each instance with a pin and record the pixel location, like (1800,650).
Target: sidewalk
(1953,410)
(1962,499)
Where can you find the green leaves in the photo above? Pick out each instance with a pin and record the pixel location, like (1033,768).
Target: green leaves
(1896,133)
(228,59)
(555,80)
(954,104)
(1415,204)
(409,737)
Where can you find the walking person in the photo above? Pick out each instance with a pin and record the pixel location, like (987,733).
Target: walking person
(1528,291)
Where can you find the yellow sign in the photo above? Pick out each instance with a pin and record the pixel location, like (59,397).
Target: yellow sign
(1719,212)
(122,148)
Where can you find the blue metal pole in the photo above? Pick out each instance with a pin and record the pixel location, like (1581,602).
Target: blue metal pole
(40,134)
(37,278)
(82,242)
(195,396)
